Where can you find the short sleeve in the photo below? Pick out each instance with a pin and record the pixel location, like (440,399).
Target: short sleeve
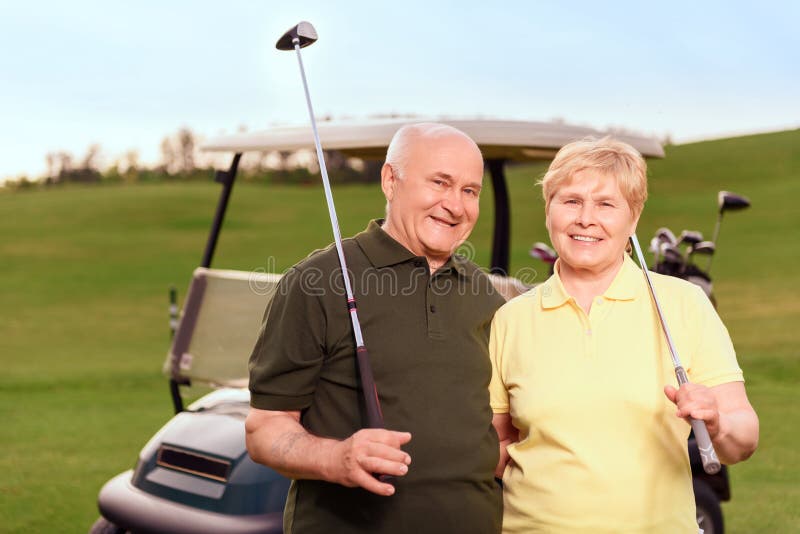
(498,395)
(288,355)
(713,361)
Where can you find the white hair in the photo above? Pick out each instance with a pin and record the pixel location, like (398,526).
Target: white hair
(397,153)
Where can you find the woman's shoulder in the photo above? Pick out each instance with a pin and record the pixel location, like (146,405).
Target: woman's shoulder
(682,296)
(522,304)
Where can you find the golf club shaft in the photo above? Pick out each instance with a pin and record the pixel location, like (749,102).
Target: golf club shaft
(374,415)
(714,239)
(708,455)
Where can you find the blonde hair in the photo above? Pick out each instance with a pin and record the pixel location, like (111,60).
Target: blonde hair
(610,157)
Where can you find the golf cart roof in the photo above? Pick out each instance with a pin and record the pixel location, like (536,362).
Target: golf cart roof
(368,139)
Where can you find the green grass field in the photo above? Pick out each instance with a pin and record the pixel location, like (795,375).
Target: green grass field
(84,274)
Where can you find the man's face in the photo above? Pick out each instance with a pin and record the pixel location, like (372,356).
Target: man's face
(590,221)
(433,204)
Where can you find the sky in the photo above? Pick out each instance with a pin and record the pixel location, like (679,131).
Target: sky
(127,74)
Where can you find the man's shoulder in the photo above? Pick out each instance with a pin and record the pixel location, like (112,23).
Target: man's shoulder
(483,285)
(326,258)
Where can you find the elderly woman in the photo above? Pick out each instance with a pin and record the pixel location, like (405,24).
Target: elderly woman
(593,430)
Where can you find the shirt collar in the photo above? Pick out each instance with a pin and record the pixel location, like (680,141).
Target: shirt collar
(626,285)
(382,250)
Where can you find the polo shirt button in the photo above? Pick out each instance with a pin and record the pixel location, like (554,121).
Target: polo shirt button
(433,308)
(599,301)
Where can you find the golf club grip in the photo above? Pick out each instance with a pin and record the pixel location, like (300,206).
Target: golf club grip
(374,414)
(708,455)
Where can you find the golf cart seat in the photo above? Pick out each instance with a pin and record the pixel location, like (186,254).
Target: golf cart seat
(218,327)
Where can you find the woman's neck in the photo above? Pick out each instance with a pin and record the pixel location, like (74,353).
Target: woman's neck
(584,285)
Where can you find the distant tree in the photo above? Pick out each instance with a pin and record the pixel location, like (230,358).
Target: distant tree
(86,171)
(167,155)
(186,146)
(50,159)
(90,160)
(64,162)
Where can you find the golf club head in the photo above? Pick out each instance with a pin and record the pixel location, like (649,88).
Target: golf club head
(704,247)
(665,235)
(691,237)
(671,254)
(304,32)
(540,251)
(731,201)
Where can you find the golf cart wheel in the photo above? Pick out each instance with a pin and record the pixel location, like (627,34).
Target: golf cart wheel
(709,513)
(104,526)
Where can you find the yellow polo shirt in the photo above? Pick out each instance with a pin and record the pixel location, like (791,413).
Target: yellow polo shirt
(600,448)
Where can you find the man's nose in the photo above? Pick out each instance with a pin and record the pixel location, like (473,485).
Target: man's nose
(453,202)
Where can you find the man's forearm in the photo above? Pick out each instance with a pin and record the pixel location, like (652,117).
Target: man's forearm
(285,446)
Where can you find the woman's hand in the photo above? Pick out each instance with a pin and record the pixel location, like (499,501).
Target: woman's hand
(730,419)
(696,402)
(507,433)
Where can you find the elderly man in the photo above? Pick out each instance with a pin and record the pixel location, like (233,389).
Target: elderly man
(425,315)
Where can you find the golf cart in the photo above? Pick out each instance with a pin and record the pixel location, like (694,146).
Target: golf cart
(194,475)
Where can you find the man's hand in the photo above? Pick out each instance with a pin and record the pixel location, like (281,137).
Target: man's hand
(356,461)
(278,440)
(696,402)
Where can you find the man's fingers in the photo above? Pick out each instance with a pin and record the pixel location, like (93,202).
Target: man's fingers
(373,464)
(387,452)
(372,484)
(671,393)
(388,437)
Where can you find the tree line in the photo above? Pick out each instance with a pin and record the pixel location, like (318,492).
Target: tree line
(180,160)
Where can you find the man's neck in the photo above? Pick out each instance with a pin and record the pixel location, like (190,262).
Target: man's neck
(434,263)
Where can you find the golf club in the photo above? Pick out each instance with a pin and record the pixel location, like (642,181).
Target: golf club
(689,238)
(708,455)
(540,251)
(672,262)
(705,248)
(665,235)
(300,36)
(726,201)
(655,248)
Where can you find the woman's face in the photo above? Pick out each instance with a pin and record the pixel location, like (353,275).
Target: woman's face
(590,221)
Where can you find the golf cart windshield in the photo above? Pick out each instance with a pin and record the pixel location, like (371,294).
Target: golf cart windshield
(219,326)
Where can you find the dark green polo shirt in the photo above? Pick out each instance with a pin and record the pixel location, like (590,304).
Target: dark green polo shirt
(427,338)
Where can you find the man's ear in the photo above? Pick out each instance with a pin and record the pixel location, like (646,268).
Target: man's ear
(388,181)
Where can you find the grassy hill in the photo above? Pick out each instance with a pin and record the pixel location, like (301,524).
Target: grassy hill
(84,274)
